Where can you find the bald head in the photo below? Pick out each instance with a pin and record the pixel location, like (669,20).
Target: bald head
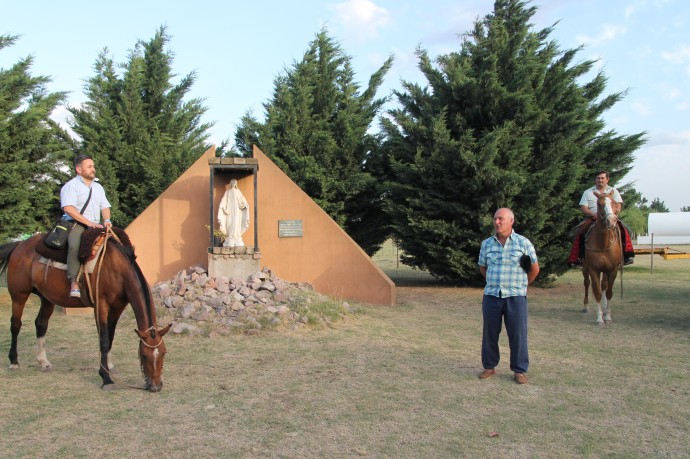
(503,222)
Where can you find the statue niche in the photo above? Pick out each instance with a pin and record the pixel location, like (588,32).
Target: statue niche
(233,215)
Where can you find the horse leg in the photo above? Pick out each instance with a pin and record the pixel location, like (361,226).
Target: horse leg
(596,291)
(104,347)
(18,302)
(609,295)
(585,307)
(113,317)
(44,314)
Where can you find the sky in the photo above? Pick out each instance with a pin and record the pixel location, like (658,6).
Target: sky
(237,48)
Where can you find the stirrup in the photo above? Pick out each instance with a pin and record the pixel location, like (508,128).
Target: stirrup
(75,293)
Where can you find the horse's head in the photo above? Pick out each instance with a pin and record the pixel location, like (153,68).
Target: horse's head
(151,353)
(605,211)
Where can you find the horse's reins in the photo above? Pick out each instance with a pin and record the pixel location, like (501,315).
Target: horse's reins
(108,234)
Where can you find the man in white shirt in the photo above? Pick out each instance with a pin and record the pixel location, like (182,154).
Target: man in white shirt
(82,192)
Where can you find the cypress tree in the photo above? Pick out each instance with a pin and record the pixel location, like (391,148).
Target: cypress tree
(316,130)
(34,150)
(142,133)
(503,122)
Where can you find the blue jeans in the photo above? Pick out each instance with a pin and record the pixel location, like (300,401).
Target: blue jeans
(512,310)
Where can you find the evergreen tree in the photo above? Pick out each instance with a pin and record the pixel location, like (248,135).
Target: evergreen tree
(316,130)
(503,122)
(658,205)
(34,150)
(635,209)
(140,131)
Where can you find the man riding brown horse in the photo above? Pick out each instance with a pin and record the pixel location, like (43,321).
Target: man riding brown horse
(588,205)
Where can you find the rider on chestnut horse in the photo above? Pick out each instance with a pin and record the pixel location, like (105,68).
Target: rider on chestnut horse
(588,205)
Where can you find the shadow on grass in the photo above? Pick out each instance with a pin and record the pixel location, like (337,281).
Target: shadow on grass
(407,277)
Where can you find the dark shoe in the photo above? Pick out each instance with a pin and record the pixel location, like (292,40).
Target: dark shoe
(520,378)
(486,374)
(628,261)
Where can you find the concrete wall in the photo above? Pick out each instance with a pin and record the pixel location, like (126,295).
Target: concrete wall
(170,235)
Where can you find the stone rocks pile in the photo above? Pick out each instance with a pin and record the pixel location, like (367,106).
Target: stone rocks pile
(200,304)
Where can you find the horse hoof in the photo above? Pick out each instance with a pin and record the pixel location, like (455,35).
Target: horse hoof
(584,310)
(46,367)
(14,366)
(108,387)
(608,321)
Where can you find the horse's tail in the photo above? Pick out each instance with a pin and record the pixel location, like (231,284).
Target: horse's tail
(5,252)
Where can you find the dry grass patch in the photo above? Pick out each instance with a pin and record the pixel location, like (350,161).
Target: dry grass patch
(393,382)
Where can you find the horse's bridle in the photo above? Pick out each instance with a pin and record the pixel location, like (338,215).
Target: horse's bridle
(147,344)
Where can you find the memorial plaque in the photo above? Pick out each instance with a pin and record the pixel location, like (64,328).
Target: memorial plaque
(289,228)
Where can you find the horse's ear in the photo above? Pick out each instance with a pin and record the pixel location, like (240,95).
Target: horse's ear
(597,194)
(164,330)
(141,334)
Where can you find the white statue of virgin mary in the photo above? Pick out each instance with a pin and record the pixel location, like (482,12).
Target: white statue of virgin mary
(233,215)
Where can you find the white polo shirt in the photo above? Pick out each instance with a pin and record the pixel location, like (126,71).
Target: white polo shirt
(589,200)
(75,193)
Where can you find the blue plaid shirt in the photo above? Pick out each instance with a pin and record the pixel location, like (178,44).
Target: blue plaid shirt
(504,276)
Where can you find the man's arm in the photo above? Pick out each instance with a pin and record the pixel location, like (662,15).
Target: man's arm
(532,274)
(482,269)
(106,216)
(74,213)
(585,210)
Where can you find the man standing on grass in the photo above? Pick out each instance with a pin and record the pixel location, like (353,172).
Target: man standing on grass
(509,263)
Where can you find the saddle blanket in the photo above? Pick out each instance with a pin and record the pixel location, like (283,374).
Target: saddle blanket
(89,266)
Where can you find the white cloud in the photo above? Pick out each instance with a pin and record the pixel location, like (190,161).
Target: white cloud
(670,138)
(633,8)
(362,18)
(642,108)
(674,94)
(680,56)
(608,33)
(661,169)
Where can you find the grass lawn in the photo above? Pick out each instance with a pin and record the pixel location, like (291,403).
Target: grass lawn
(393,382)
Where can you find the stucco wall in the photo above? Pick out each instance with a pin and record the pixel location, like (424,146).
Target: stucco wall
(170,235)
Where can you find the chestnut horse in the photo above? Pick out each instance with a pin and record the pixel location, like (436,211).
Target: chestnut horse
(603,257)
(116,281)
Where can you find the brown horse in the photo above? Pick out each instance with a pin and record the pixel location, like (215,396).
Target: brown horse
(116,281)
(603,257)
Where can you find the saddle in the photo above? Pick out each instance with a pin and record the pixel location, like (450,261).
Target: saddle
(91,241)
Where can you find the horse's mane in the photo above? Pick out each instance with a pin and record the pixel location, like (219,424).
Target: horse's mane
(127,249)
(91,234)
